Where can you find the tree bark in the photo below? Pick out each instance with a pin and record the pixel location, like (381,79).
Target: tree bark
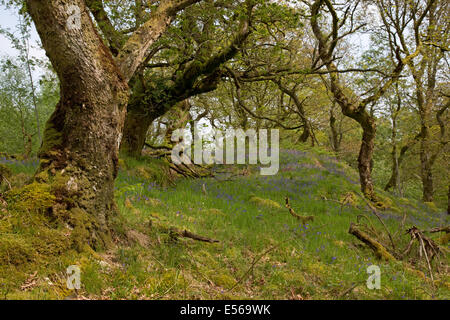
(79,153)
(137,123)
(448,197)
(351,104)
(365,158)
(336,136)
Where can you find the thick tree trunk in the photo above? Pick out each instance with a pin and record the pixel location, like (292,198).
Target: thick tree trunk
(79,153)
(139,119)
(305,135)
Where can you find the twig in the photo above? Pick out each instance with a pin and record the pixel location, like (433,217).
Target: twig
(9,184)
(348,290)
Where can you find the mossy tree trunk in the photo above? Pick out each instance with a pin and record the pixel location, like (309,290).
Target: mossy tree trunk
(79,152)
(365,158)
(336,134)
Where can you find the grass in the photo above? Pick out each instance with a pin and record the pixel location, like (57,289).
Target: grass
(264,253)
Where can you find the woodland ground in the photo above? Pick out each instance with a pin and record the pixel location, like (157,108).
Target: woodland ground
(263,253)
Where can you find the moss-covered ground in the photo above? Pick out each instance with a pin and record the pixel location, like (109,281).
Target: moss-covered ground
(263,253)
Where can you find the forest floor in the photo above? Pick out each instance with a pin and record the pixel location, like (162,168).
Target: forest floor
(263,251)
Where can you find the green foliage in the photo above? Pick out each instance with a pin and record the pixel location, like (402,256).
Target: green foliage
(312,261)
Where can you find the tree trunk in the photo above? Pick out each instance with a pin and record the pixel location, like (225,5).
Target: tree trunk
(335,137)
(365,158)
(448,197)
(135,131)
(426,162)
(394,181)
(305,135)
(79,153)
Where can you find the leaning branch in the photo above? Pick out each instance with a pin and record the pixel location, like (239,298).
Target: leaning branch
(133,52)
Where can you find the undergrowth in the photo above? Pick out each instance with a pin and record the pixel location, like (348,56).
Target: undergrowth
(263,253)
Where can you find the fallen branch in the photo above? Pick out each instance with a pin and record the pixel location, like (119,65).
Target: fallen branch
(348,290)
(188,234)
(426,247)
(445,229)
(303,219)
(380,250)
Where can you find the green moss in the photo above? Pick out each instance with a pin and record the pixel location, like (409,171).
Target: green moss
(50,242)
(444,239)
(223,280)
(52,138)
(84,234)
(19,180)
(15,250)
(265,202)
(349,198)
(233,253)
(432,206)
(294,277)
(35,197)
(153,202)
(384,202)
(214,211)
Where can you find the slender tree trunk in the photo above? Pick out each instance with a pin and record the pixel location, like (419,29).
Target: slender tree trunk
(365,158)
(426,152)
(335,141)
(448,197)
(79,153)
(394,181)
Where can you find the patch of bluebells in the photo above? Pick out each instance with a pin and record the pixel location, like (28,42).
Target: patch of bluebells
(33,163)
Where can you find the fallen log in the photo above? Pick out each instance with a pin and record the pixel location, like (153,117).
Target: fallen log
(379,249)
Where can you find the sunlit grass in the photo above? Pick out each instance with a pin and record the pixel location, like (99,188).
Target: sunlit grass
(264,253)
